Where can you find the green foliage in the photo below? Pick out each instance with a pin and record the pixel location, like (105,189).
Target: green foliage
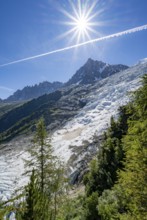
(25,116)
(72,208)
(111,203)
(31,198)
(141,99)
(119,173)
(42,160)
(6,107)
(3,210)
(91,203)
(103,169)
(133,179)
(130,192)
(47,181)
(37,203)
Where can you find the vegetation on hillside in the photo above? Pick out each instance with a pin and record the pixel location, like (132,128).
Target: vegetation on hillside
(6,107)
(119,173)
(55,108)
(25,116)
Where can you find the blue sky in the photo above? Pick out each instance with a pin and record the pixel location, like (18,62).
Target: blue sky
(32,27)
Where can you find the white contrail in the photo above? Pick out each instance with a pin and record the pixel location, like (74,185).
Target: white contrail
(129,31)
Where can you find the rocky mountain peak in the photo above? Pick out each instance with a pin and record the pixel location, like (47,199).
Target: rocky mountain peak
(92,62)
(94,65)
(94,70)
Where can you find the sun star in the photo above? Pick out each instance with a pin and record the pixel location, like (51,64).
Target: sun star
(80,20)
(81,24)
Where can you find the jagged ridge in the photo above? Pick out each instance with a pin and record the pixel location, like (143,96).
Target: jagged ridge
(89,73)
(31,92)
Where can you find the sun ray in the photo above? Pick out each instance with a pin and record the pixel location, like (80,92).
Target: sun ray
(73,8)
(67,33)
(81,20)
(79,8)
(90,10)
(68,15)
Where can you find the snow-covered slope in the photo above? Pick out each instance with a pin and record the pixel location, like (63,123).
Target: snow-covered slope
(12,167)
(103,101)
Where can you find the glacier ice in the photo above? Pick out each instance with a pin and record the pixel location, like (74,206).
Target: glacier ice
(102,102)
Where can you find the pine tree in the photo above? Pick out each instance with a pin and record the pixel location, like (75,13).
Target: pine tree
(31,198)
(47,179)
(41,159)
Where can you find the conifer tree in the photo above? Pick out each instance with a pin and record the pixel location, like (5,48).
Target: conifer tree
(47,179)
(41,159)
(31,198)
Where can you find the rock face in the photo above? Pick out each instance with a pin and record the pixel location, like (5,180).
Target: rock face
(30,92)
(93,71)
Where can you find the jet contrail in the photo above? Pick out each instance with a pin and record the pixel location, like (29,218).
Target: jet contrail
(129,31)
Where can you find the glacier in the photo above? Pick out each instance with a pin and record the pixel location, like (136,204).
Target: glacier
(103,101)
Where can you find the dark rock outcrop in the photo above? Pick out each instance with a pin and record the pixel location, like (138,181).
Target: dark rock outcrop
(93,71)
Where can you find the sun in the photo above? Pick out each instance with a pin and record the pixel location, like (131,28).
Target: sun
(81,20)
(81,27)
(82,24)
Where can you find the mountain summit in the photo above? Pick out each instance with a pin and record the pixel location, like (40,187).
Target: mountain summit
(94,70)
(89,73)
